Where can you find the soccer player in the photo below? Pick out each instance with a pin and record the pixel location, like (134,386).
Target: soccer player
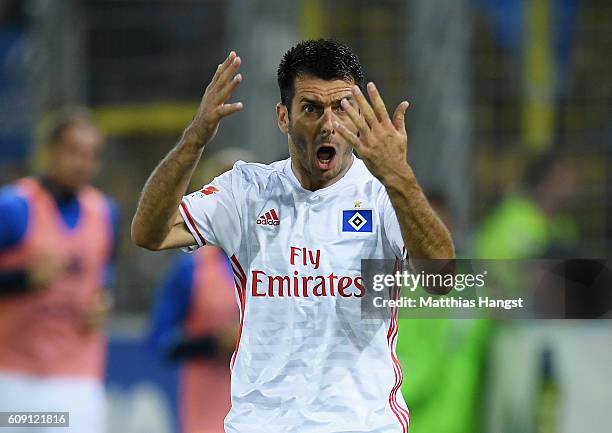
(56,242)
(296,231)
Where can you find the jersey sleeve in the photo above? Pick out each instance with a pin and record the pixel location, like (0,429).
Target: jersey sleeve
(13,226)
(213,213)
(392,228)
(13,218)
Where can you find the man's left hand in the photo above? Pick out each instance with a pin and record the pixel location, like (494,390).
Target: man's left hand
(382,141)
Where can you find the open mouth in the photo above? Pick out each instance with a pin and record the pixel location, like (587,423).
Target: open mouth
(325,155)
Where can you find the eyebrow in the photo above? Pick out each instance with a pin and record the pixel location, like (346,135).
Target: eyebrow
(317,102)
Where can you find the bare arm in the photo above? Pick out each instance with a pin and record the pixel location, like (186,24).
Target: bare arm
(424,235)
(157,224)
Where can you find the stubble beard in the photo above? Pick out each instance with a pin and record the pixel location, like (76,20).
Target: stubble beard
(299,152)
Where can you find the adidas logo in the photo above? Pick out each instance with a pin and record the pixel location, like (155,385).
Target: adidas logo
(270,218)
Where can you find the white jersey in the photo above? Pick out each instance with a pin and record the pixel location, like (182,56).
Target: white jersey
(305,360)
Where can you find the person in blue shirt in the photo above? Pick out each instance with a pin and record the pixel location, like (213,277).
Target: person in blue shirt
(57,244)
(14,224)
(175,299)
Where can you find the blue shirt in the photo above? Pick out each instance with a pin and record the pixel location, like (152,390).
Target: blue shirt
(172,304)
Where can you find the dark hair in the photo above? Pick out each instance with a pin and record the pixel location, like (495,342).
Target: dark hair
(323,58)
(542,166)
(56,124)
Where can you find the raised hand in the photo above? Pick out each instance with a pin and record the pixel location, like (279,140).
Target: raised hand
(213,107)
(382,142)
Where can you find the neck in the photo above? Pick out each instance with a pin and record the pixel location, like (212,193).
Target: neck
(60,192)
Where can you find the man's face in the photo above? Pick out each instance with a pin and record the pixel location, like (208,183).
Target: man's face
(320,155)
(75,160)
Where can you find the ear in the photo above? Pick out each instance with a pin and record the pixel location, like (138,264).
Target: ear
(282,117)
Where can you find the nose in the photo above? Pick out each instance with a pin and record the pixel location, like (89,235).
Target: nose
(327,128)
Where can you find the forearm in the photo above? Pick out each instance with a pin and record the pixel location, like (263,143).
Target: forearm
(424,235)
(162,193)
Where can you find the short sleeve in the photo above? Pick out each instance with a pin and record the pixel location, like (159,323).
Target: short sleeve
(212,214)
(392,228)
(13,218)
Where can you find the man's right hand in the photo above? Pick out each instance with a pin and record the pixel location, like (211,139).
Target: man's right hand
(157,223)
(213,107)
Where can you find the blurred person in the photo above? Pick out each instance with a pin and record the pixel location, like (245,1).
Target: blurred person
(193,322)
(296,231)
(532,223)
(57,240)
(536,379)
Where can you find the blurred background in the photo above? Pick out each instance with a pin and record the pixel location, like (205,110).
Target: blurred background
(510,134)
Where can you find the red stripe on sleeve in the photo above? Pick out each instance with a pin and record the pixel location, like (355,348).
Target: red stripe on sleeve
(240,279)
(192,224)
